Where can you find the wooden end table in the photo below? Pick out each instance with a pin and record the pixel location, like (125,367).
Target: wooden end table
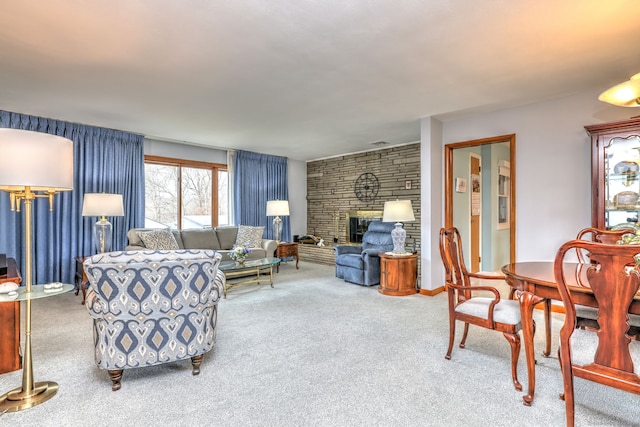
(285,250)
(10,359)
(81,278)
(398,274)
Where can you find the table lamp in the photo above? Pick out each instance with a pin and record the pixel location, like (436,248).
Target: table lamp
(102,205)
(277,208)
(37,165)
(398,211)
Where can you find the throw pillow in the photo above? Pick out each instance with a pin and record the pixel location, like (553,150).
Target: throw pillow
(248,236)
(159,239)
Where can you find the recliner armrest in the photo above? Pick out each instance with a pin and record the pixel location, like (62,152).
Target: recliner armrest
(347,249)
(372,252)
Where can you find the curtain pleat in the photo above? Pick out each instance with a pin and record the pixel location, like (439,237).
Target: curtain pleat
(105,160)
(257,179)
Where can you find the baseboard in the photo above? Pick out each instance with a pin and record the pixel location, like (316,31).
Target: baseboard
(432,292)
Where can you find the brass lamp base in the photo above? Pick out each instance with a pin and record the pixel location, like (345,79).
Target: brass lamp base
(17,400)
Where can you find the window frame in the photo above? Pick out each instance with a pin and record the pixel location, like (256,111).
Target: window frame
(180,163)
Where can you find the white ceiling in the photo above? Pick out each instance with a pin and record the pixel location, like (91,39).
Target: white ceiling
(303,78)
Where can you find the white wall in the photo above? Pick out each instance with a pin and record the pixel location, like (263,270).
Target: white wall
(298,197)
(184,151)
(431,203)
(297,174)
(552,166)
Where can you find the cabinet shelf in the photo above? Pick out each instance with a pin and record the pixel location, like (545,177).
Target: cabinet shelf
(623,209)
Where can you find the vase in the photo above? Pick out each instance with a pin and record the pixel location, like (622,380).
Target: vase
(240,261)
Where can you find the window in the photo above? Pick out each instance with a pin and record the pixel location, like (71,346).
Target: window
(185,194)
(504,190)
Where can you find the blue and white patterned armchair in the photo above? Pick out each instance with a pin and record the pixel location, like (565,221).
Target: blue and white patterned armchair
(361,264)
(152,307)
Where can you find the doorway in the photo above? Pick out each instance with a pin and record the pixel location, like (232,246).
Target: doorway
(495,238)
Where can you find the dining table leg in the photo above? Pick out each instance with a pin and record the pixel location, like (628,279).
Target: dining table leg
(547,327)
(527,303)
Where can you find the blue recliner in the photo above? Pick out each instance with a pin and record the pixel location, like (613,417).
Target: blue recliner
(361,264)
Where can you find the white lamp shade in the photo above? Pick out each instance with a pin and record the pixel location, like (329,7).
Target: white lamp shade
(34,159)
(102,204)
(625,94)
(277,208)
(398,211)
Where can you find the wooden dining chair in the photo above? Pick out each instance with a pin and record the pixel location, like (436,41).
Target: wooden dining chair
(465,305)
(613,280)
(586,317)
(593,234)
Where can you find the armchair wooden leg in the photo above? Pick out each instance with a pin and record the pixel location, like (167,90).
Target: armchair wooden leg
(452,333)
(464,335)
(195,363)
(116,377)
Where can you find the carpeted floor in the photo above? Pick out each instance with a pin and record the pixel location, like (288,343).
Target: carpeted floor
(313,351)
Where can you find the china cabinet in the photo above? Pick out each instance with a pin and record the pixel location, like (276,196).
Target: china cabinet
(615,173)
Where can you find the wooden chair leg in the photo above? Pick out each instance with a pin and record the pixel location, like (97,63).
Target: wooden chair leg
(564,356)
(464,335)
(116,377)
(452,333)
(195,363)
(514,342)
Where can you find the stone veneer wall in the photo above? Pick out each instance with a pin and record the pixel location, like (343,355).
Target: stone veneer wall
(331,185)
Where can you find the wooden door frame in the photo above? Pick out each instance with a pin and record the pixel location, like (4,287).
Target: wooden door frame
(475,265)
(449,185)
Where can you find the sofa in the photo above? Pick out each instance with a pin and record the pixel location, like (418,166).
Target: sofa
(152,307)
(361,264)
(220,239)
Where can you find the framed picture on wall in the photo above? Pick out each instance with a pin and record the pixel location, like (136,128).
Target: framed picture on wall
(461,185)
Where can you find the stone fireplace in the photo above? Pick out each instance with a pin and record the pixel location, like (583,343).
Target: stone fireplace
(358,222)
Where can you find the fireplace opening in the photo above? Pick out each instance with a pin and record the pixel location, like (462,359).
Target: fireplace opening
(358,223)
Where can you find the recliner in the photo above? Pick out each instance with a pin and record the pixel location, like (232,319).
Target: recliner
(361,264)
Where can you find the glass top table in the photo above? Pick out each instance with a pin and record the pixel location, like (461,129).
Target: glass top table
(249,264)
(37,291)
(257,270)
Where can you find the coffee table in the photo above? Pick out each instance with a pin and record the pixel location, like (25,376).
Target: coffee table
(256,269)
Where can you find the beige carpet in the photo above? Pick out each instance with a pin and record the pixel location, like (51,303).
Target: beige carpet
(313,351)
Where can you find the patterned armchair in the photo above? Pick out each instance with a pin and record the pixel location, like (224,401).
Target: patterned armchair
(361,264)
(152,307)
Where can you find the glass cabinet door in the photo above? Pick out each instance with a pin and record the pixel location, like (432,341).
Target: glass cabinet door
(622,181)
(615,173)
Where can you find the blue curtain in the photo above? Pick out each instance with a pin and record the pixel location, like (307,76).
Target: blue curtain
(257,179)
(105,160)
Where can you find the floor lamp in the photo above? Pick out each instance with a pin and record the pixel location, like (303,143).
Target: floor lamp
(37,165)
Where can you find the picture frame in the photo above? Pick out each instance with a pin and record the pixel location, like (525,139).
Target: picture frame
(461,185)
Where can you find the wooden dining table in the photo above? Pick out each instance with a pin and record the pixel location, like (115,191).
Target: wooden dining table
(534,283)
